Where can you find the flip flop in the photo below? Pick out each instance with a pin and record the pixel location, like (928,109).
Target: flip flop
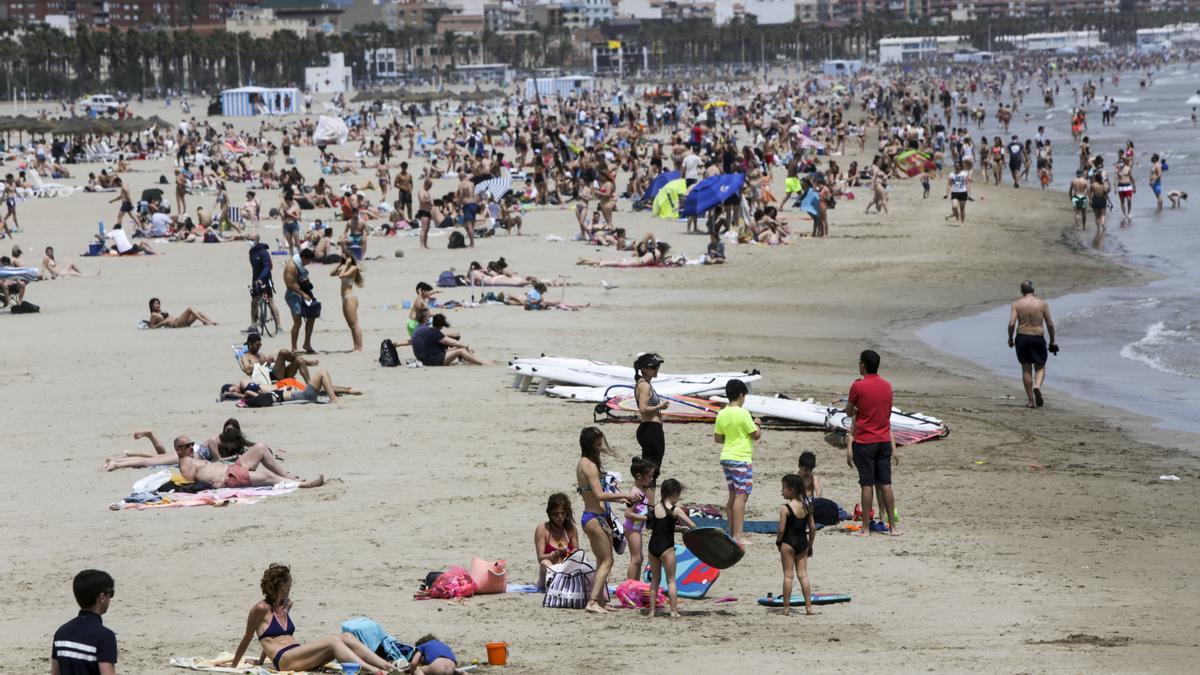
(1037,397)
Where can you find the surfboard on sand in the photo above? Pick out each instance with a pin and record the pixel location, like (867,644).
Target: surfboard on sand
(585,373)
(693,577)
(679,409)
(797,599)
(907,428)
(714,546)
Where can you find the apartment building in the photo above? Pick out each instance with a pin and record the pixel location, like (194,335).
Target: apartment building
(102,14)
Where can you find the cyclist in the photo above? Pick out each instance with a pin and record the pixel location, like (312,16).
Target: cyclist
(260,282)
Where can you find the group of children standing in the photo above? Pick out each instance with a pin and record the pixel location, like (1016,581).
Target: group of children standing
(736,431)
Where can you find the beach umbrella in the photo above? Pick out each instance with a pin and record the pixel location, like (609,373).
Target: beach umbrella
(666,202)
(158,122)
(131,125)
(72,126)
(658,183)
(712,191)
(495,187)
(7,123)
(913,162)
(716,104)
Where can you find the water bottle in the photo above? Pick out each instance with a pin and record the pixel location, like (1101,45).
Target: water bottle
(102,229)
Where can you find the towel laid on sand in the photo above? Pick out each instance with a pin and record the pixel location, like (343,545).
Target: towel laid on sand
(141,501)
(207,665)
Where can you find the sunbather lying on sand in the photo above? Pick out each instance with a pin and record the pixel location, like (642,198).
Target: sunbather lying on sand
(189,316)
(320,384)
(653,255)
(245,472)
(228,445)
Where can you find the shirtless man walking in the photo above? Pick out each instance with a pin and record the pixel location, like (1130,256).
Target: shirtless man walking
(1079,199)
(1030,319)
(245,472)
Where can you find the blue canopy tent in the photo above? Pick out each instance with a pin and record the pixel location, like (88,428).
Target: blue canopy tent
(657,184)
(710,192)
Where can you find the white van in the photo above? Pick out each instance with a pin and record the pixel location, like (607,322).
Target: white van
(101,103)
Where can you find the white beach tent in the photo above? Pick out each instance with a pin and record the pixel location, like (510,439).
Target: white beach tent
(330,131)
(250,101)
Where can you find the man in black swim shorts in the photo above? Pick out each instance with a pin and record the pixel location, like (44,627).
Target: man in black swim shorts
(1030,319)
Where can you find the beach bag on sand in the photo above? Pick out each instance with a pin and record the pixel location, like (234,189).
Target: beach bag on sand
(569,583)
(455,582)
(25,307)
(489,577)
(388,356)
(635,594)
(456,240)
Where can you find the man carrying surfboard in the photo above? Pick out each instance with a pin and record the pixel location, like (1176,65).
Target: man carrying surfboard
(872,446)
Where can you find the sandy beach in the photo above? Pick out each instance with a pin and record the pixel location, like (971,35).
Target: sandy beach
(1035,540)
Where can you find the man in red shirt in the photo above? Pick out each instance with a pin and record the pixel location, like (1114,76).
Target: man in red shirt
(871,445)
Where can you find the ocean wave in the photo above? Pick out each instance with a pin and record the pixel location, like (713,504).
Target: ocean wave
(1125,99)
(1121,306)
(1167,350)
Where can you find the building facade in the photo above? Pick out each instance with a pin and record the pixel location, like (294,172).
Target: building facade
(102,14)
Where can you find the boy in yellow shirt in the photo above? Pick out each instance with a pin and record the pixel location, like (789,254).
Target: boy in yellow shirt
(736,431)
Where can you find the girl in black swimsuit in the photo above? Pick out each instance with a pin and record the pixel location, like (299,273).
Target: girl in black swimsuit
(663,520)
(795,539)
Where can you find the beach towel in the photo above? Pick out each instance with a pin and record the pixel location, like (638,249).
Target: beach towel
(374,637)
(208,665)
(146,495)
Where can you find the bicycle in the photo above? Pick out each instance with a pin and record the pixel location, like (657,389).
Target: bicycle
(268,323)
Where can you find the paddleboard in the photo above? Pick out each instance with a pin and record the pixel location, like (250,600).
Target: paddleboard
(805,412)
(714,546)
(705,385)
(601,375)
(693,577)
(679,409)
(907,428)
(797,599)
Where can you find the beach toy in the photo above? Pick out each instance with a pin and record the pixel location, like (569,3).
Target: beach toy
(350,668)
(497,653)
(798,599)
(713,546)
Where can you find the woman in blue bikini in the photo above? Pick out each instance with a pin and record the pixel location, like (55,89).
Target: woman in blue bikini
(595,520)
(270,620)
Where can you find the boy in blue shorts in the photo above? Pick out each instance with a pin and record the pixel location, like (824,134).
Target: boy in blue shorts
(736,431)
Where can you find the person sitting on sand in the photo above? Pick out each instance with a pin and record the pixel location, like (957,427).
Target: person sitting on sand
(433,347)
(189,316)
(652,256)
(122,245)
(51,270)
(271,622)
(556,538)
(244,472)
(282,364)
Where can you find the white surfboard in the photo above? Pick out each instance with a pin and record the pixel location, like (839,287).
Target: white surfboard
(696,385)
(585,373)
(805,412)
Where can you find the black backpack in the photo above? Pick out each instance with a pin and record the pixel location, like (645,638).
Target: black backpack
(388,357)
(456,240)
(25,307)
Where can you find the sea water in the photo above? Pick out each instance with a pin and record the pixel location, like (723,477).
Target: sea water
(1137,348)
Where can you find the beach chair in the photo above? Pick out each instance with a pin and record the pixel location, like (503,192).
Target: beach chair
(44,189)
(493,211)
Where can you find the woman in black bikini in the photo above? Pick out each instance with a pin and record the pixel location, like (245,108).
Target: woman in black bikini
(650,406)
(275,634)
(664,518)
(795,539)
